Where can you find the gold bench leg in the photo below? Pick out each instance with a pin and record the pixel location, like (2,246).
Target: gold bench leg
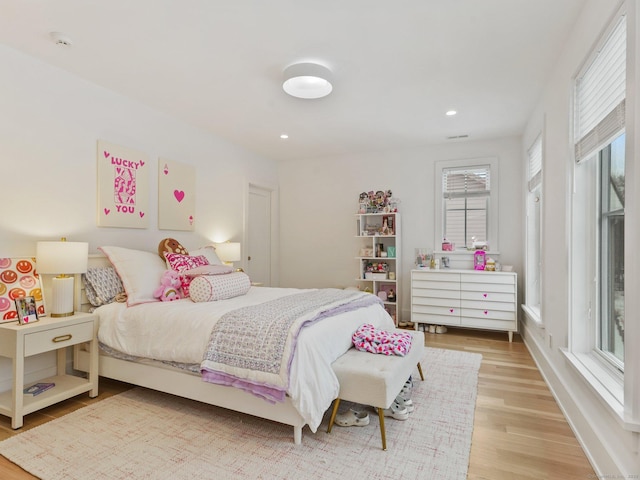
(382,433)
(333,414)
(420,370)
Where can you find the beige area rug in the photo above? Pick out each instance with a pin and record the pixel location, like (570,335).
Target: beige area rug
(142,434)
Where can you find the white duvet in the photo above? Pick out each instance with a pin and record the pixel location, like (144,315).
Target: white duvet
(179,331)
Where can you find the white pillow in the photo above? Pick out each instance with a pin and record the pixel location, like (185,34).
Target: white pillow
(139,271)
(209,251)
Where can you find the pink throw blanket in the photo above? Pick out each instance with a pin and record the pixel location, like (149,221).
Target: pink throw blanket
(370,339)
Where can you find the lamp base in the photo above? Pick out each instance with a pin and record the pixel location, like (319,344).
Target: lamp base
(61,297)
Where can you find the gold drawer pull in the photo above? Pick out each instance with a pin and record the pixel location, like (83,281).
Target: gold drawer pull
(62,338)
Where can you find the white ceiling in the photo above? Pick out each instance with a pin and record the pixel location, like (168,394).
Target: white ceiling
(398,66)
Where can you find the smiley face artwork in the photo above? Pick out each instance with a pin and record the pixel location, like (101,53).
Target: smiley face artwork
(18,278)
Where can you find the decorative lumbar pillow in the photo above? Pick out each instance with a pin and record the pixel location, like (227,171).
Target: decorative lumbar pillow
(181,263)
(170,245)
(139,271)
(211,288)
(209,251)
(209,270)
(101,285)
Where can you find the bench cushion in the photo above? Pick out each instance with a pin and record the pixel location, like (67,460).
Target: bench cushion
(376,380)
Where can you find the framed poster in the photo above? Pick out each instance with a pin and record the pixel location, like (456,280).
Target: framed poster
(123,186)
(19,279)
(176,195)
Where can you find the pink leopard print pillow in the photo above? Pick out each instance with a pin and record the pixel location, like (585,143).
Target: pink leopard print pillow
(181,263)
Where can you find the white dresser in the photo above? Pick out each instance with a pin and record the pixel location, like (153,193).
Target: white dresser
(465,298)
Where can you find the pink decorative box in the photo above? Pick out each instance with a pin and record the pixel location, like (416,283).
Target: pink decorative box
(447,246)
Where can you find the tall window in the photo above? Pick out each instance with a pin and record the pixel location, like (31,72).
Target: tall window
(534,229)
(611,330)
(466,192)
(598,248)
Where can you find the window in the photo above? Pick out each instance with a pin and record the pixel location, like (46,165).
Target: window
(533,287)
(596,334)
(611,319)
(466,202)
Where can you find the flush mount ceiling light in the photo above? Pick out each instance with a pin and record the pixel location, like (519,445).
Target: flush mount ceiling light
(307,80)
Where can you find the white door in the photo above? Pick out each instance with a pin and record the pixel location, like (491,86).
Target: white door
(259,236)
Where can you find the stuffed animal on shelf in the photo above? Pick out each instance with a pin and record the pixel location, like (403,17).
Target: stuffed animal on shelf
(170,287)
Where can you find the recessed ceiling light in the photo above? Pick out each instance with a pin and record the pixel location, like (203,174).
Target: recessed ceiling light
(307,80)
(284,136)
(451,113)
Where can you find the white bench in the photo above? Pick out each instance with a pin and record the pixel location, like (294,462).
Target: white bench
(375,380)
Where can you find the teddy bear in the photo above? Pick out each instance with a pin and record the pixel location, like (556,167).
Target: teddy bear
(170,245)
(170,287)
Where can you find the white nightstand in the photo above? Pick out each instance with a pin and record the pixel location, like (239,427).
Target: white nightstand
(20,341)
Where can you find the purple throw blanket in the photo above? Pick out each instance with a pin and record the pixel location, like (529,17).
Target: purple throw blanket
(252,347)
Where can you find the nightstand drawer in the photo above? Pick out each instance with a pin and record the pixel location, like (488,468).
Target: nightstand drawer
(55,338)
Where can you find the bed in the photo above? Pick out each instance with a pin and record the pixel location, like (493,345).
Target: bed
(171,338)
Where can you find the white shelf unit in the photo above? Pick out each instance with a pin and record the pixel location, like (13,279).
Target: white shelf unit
(380,251)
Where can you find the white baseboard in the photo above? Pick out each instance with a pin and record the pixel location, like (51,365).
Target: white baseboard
(589,439)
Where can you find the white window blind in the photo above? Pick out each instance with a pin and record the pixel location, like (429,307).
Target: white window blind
(600,95)
(466,193)
(535,164)
(465,182)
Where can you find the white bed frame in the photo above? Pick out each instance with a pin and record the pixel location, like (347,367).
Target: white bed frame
(163,378)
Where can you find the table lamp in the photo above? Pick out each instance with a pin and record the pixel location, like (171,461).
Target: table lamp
(228,252)
(63,259)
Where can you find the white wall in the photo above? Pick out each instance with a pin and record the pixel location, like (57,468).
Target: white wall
(320,197)
(612,449)
(50,122)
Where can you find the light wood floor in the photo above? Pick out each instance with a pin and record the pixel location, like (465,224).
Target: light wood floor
(519,431)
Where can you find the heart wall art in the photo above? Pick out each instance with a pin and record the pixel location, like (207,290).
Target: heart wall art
(176,195)
(123,186)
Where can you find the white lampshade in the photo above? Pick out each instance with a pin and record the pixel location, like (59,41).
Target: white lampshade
(307,80)
(228,252)
(62,258)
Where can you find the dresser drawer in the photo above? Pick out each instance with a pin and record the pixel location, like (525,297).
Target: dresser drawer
(491,324)
(469,314)
(488,278)
(438,277)
(420,294)
(435,286)
(435,301)
(483,305)
(488,287)
(47,340)
(435,319)
(445,311)
(487,296)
